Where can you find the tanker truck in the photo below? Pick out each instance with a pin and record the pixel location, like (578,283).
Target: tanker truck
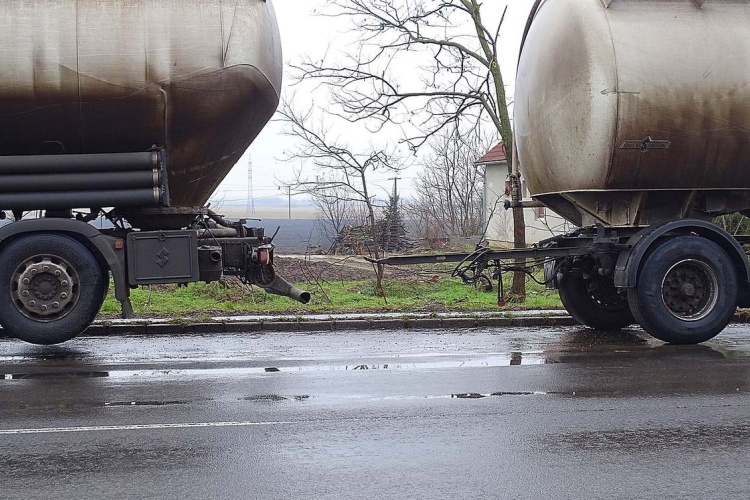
(134,110)
(632,121)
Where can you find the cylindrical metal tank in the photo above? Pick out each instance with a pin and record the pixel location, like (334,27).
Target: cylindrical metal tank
(619,99)
(200,78)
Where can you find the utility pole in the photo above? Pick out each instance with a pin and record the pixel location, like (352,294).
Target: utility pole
(289,196)
(289,193)
(395,185)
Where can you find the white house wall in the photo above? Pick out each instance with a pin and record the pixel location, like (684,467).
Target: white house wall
(500,225)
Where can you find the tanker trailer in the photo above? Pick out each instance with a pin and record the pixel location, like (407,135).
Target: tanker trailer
(632,121)
(135,110)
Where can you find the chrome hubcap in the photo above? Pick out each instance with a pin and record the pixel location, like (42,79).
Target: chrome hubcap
(690,290)
(45,288)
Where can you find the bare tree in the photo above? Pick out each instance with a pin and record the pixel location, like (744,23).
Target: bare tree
(345,171)
(334,210)
(462,84)
(450,188)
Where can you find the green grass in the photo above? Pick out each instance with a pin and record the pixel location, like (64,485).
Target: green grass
(199,299)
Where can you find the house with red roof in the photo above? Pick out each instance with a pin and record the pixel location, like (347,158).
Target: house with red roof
(541,223)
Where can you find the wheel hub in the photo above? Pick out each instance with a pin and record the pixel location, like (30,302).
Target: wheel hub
(45,287)
(690,290)
(604,293)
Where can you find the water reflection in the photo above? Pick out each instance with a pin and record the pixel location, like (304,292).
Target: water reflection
(54,375)
(568,346)
(586,346)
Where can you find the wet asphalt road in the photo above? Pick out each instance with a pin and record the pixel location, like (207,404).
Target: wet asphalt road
(559,413)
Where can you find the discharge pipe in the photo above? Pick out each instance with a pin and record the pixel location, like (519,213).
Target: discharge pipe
(280,286)
(80,199)
(112,181)
(217,232)
(76,163)
(219,219)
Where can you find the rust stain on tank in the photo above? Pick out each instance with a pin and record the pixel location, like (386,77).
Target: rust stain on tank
(669,75)
(709,141)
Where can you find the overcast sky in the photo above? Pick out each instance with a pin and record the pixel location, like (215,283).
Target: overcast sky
(305,33)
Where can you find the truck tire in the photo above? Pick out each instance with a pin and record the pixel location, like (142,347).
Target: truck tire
(594,303)
(105,292)
(51,288)
(687,291)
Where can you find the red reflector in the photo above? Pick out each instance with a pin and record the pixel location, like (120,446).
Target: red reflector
(263,257)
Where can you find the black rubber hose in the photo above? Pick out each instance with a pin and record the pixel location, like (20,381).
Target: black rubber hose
(62,164)
(78,181)
(80,199)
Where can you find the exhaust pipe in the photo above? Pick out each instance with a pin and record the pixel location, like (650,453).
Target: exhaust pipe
(280,286)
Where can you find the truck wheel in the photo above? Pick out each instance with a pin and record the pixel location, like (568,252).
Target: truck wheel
(687,291)
(105,292)
(51,288)
(595,302)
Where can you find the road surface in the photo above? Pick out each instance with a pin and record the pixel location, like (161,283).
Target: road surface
(556,413)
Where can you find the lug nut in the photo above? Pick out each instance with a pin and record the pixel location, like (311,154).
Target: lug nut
(32,303)
(25,293)
(44,308)
(26,281)
(58,272)
(64,283)
(34,271)
(45,269)
(63,295)
(55,305)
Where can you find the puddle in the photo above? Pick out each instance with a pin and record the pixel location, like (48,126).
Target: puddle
(490,362)
(275,398)
(408,363)
(51,376)
(477,395)
(149,403)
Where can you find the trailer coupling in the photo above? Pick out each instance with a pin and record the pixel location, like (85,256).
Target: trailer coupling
(484,265)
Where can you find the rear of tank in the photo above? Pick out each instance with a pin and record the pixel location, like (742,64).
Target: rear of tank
(619,99)
(198,77)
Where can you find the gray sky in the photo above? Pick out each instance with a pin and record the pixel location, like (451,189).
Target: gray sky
(304,33)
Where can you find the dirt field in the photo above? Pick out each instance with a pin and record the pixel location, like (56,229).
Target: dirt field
(331,268)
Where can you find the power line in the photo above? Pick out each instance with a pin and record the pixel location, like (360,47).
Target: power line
(395,185)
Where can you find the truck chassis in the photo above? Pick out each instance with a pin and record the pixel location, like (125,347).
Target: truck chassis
(55,269)
(681,280)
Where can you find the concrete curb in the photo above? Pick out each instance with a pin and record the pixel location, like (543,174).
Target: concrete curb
(301,325)
(333,324)
(406,323)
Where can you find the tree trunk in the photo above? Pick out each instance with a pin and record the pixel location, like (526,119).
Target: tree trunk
(379,269)
(506,133)
(518,290)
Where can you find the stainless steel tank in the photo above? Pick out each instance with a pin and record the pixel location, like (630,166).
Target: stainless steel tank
(628,112)
(199,77)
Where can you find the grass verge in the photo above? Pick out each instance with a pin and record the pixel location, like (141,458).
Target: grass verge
(200,299)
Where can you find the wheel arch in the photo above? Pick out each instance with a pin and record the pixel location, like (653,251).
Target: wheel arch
(630,260)
(102,247)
